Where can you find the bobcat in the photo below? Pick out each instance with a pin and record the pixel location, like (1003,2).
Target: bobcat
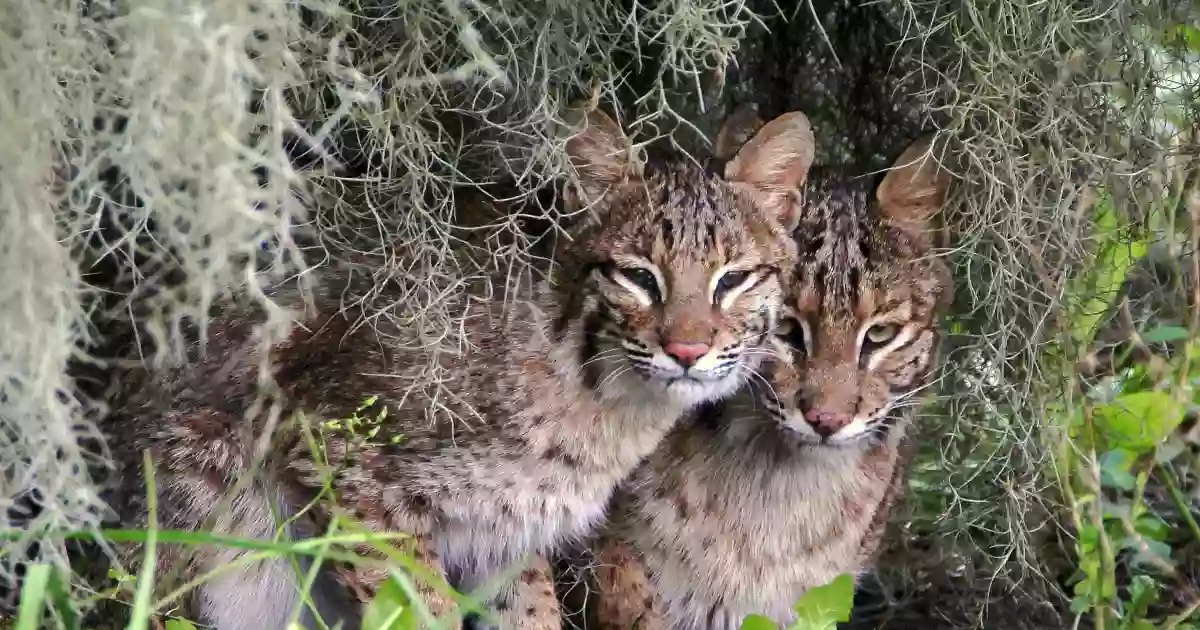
(789,484)
(662,302)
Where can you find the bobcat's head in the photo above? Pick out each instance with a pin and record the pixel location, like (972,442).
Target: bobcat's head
(677,274)
(864,302)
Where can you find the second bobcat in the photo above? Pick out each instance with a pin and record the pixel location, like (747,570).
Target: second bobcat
(789,484)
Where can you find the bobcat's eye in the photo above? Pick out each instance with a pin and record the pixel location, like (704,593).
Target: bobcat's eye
(880,334)
(730,281)
(795,333)
(644,279)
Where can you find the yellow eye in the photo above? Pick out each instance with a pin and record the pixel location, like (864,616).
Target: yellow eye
(791,331)
(882,333)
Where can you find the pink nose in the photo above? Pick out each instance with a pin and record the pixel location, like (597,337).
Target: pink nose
(826,423)
(686,353)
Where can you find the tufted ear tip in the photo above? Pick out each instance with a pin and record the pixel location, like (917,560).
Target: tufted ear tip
(915,187)
(739,127)
(775,164)
(778,156)
(599,150)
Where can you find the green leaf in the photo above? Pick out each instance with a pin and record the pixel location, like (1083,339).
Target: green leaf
(821,608)
(1089,538)
(1164,334)
(758,622)
(368,402)
(1138,421)
(1169,450)
(1185,36)
(1098,286)
(1156,554)
(180,624)
(1143,592)
(1114,469)
(1153,527)
(390,610)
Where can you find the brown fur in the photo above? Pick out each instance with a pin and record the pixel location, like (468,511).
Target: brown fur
(530,429)
(742,510)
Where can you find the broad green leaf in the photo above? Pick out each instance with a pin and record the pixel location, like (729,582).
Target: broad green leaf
(180,624)
(1164,334)
(1153,527)
(758,622)
(821,608)
(390,610)
(1169,450)
(1143,592)
(1156,554)
(1114,469)
(1138,421)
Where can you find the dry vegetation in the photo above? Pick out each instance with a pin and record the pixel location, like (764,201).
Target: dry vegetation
(156,155)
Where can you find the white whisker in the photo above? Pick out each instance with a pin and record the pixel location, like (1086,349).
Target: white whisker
(611,376)
(754,374)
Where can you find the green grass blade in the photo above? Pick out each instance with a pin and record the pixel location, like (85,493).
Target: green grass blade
(145,589)
(33,596)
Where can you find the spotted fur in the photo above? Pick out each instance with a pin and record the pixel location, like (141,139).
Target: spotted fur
(560,396)
(743,509)
(863,312)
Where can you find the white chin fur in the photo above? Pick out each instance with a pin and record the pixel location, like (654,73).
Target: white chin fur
(857,428)
(849,435)
(691,392)
(699,384)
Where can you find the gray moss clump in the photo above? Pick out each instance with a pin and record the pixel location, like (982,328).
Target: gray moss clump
(162,154)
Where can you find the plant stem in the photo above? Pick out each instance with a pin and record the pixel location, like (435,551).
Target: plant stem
(1180,501)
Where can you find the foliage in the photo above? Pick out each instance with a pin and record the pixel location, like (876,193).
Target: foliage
(1071,129)
(821,608)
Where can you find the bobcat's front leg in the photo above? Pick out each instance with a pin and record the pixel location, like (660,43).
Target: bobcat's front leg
(526,602)
(622,595)
(366,582)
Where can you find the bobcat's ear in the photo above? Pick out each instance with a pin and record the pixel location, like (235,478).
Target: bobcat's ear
(599,151)
(915,187)
(774,165)
(741,124)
